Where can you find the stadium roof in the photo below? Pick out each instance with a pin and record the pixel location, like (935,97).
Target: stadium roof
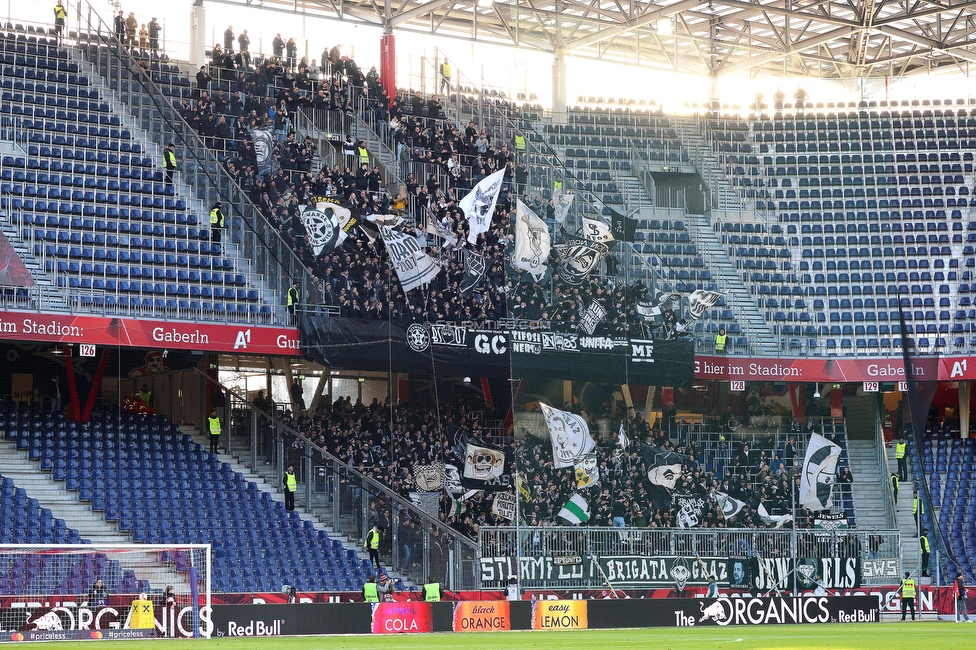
(825,39)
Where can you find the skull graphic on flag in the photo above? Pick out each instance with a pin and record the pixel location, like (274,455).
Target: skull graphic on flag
(322,227)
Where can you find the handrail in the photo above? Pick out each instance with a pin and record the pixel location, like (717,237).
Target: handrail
(366,480)
(276,255)
(891,516)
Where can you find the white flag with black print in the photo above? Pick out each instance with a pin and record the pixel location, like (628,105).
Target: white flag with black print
(817,476)
(649,310)
(569,434)
(596,230)
(435,227)
(479,204)
(413,267)
(701,301)
(562,203)
(532,242)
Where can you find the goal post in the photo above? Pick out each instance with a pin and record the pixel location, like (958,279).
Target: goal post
(110,591)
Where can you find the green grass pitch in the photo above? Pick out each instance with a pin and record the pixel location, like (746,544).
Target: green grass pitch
(882,636)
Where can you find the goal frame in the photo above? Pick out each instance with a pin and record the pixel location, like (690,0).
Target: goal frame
(200,609)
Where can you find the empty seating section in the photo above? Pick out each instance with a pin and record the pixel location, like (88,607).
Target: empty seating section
(864,207)
(93,207)
(161,487)
(948,463)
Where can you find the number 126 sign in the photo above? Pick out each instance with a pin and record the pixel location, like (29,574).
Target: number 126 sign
(86,350)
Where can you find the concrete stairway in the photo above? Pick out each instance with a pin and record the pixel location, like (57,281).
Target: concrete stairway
(911,557)
(870,481)
(64,504)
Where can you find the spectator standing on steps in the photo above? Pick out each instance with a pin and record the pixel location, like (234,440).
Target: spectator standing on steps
(894,486)
(290,483)
(120,27)
(60,14)
(298,394)
(154,37)
(216,222)
(169,163)
(214,428)
(131,25)
(229,38)
(918,509)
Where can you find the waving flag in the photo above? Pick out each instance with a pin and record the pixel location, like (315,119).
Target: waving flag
(474,271)
(562,203)
(412,265)
(576,510)
(663,467)
(569,434)
(596,230)
(479,204)
(532,242)
(817,476)
(730,506)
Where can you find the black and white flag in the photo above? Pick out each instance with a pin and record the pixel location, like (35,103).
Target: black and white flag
(479,204)
(623,229)
(321,228)
(595,230)
(532,242)
(729,506)
(435,227)
(587,471)
(562,203)
(690,509)
(663,467)
(701,301)
(569,434)
(649,310)
(593,316)
(413,267)
(578,258)
(474,271)
(817,475)
(263,140)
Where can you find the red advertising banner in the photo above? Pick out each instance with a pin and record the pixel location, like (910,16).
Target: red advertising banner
(132,332)
(482,616)
(397,618)
(829,369)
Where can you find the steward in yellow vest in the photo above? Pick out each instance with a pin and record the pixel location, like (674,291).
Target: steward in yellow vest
(214,429)
(370,593)
(432,591)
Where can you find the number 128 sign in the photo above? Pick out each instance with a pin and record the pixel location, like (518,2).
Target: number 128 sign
(737,386)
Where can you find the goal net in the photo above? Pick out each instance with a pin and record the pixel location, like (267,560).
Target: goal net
(94,591)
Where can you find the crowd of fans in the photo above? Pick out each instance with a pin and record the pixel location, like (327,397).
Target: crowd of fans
(238,99)
(388,443)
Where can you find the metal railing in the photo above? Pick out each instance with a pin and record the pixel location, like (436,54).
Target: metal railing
(594,542)
(413,543)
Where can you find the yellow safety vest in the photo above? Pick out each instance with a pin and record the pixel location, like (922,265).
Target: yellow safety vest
(141,616)
(292,296)
(917,506)
(291,482)
(557,186)
(145,396)
(214,426)
(363,155)
(374,541)
(894,481)
(432,592)
(446,70)
(169,159)
(217,218)
(60,13)
(907,588)
(520,142)
(720,342)
(900,448)
(370,593)
(924,544)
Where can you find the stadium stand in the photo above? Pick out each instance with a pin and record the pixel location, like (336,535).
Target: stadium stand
(92,207)
(257,544)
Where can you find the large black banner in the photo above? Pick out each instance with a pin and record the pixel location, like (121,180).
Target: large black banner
(510,349)
(781,573)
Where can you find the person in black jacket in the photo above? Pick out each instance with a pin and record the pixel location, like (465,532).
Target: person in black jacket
(98,594)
